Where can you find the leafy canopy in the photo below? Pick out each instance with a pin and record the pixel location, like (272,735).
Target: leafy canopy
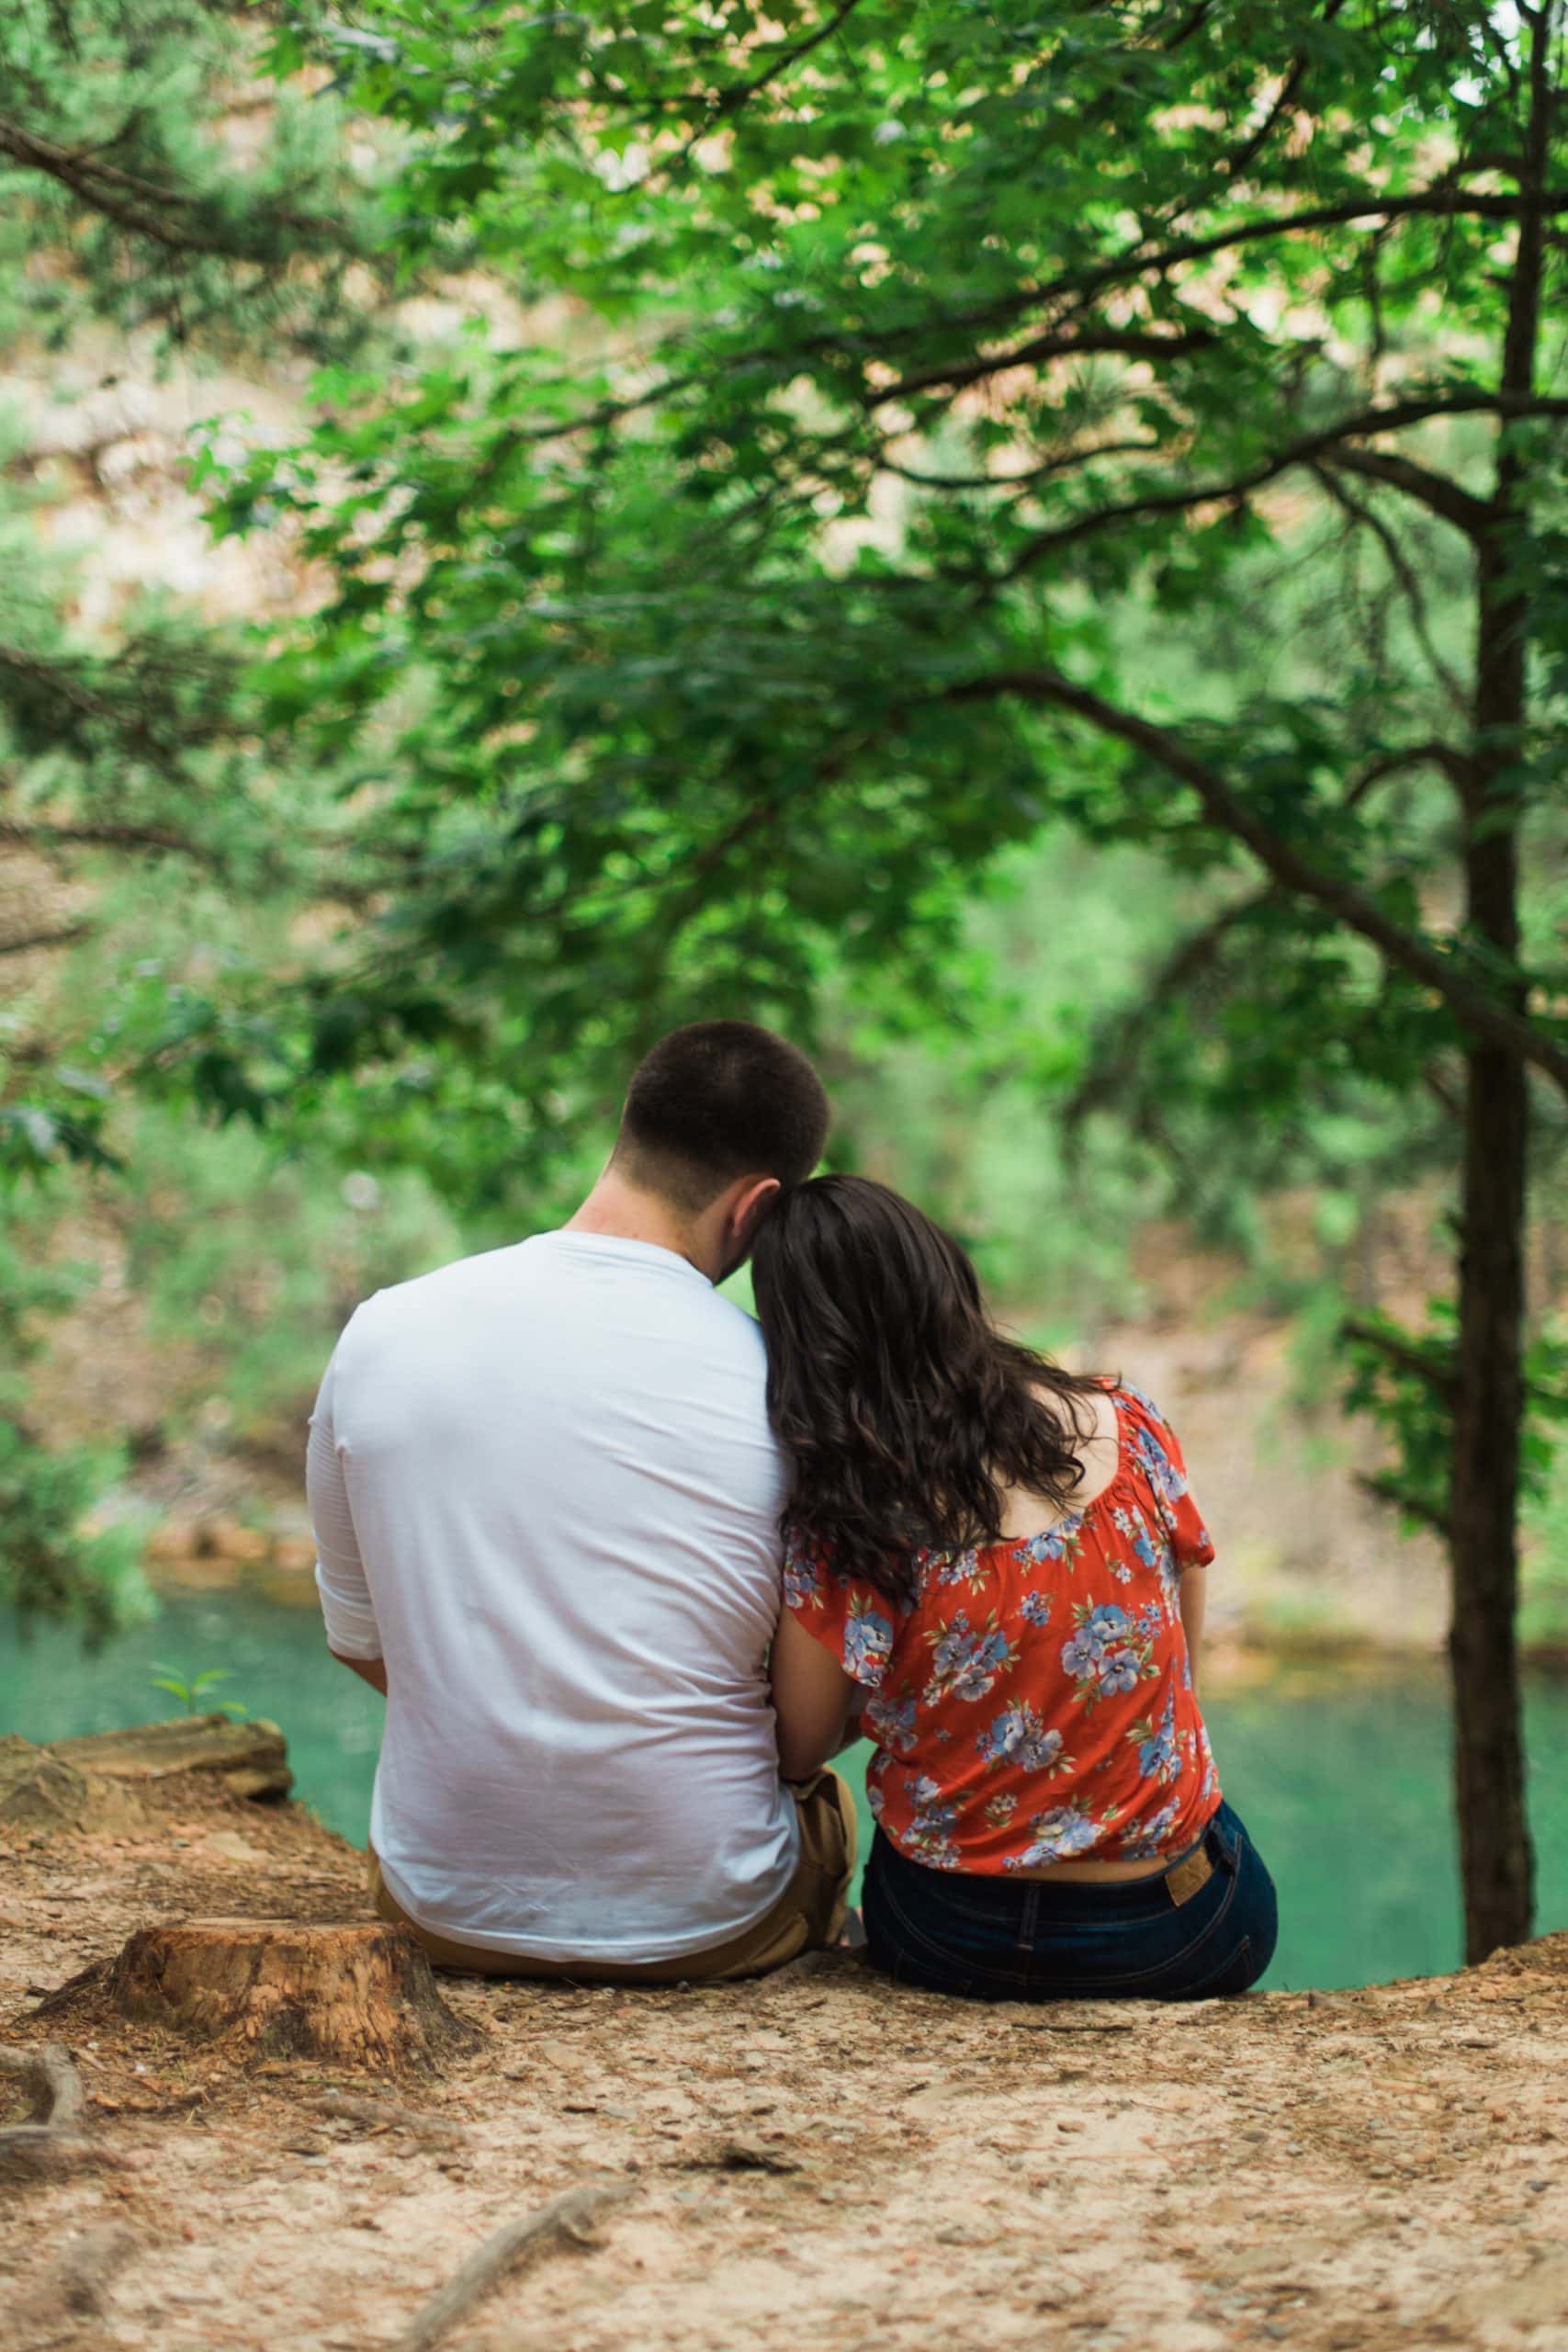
(898,405)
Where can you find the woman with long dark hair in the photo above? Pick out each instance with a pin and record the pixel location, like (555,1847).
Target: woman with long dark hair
(997,1568)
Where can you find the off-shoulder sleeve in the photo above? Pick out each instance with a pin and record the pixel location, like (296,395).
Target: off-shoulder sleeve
(846,1614)
(1158,1453)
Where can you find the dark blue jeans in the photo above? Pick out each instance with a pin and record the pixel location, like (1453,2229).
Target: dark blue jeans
(1044,1939)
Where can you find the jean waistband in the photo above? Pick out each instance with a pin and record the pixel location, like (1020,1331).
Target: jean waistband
(1002,1896)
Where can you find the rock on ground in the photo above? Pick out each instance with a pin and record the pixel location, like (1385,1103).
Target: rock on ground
(819,2158)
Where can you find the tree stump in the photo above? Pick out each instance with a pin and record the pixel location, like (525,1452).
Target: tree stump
(251,1759)
(361,1994)
(40,1791)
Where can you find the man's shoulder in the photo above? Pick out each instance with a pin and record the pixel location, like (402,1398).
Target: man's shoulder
(439,1287)
(526,1276)
(744,1329)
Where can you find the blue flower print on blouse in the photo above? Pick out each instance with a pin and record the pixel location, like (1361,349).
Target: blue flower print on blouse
(1058,1542)
(1034,1608)
(1162,1475)
(1158,1756)
(1017,1735)
(802,1578)
(868,1639)
(1147,1842)
(930,1834)
(965,1664)
(1107,1652)
(891,1723)
(955,1567)
(1153,1554)
(1066,1830)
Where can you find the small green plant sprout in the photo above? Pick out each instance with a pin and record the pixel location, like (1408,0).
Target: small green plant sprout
(192,1692)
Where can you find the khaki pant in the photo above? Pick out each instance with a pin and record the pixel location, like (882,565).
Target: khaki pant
(808,1916)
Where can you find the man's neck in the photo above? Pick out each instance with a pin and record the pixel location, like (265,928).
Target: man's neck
(628,1212)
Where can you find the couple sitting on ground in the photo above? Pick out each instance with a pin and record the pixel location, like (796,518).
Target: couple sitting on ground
(630,1567)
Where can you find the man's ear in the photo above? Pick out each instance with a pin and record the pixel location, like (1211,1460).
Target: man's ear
(750,1206)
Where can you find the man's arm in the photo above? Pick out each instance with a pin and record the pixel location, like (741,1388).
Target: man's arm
(353,1634)
(369,1670)
(815,1702)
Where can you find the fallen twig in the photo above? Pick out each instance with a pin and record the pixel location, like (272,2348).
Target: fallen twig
(387,2113)
(561,2220)
(52,2142)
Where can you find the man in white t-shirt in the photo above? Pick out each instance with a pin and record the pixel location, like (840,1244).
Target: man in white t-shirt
(545,1499)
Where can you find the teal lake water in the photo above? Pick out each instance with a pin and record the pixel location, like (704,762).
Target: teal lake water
(1341,1773)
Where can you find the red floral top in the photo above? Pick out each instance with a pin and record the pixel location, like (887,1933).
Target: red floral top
(1034,1702)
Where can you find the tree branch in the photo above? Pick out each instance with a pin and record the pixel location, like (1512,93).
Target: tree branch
(1405,573)
(143,207)
(740,94)
(1312,446)
(1446,757)
(1124,342)
(1284,99)
(1444,497)
(1401,1354)
(1100,277)
(1386,1487)
(1515,1032)
(1047,467)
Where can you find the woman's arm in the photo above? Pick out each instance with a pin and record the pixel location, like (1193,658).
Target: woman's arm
(1192,1597)
(814,1699)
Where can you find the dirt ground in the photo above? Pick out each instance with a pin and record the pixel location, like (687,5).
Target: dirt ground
(816,2158)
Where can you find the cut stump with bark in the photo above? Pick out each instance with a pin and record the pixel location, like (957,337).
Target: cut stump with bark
(42,1792)
(360,1995)
(251,1759)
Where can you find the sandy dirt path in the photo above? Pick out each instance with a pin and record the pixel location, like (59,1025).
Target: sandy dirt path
(819,2158)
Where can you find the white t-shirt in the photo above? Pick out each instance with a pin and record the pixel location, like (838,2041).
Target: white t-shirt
(545,1490)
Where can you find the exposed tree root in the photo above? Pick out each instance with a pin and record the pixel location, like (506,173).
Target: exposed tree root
(53,2142)
(561,2221)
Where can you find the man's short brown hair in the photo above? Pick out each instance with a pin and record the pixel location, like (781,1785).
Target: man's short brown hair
(718,1100)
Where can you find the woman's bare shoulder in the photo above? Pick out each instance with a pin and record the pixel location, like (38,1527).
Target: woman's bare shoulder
(1097,1447)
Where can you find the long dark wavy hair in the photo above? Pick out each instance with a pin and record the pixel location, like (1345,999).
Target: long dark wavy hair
(903,1412)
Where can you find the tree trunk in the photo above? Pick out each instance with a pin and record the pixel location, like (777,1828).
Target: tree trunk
(1496,1857)
(361,1994)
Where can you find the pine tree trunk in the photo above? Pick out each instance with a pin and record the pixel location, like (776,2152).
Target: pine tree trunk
(1496,1862)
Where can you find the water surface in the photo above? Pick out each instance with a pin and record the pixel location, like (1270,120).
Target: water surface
(1340,1772)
